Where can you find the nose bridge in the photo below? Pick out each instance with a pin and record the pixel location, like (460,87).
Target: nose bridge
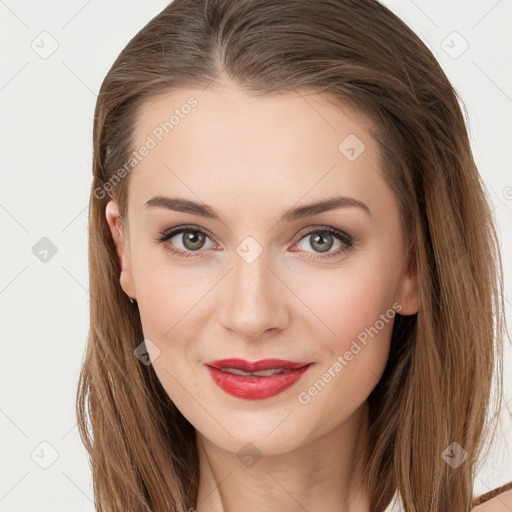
(254,302)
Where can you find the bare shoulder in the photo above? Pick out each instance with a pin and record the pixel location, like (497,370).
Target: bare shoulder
(501,502)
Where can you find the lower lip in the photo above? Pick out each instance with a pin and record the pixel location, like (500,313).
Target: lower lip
(255,388)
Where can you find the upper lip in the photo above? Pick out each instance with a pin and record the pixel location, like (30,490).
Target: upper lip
(254,366)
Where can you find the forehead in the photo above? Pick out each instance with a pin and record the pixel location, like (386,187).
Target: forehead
(225,108)
(222,141)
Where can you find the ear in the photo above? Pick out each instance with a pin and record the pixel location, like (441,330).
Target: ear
(115,225)
(407,294)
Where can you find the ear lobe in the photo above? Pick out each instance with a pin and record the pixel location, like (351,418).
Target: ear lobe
(408,290)
(116,230)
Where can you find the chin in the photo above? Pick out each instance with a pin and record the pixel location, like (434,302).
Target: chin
(256,442)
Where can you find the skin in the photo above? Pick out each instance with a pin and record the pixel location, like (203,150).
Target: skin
(252,158)
(500,503)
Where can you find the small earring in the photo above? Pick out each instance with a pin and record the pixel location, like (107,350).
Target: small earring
(132,301)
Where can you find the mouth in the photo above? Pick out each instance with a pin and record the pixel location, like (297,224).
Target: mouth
(255,380)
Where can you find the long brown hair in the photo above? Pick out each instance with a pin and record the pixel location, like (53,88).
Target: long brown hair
(437,385)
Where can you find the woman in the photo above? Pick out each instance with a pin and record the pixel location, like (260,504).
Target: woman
(295,275)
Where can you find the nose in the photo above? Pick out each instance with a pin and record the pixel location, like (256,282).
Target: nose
(255,304)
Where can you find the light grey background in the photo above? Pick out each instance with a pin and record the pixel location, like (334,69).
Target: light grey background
(46,108)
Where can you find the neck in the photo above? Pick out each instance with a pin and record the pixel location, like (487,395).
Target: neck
(323,474)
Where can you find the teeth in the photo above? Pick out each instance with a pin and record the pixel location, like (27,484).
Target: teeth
(261,373)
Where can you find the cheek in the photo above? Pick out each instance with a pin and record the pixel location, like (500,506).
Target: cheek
(350,302)
(167,292)
(353,352)
(159,305)
(356,310)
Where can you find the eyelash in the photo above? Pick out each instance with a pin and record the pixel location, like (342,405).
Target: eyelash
(346,239)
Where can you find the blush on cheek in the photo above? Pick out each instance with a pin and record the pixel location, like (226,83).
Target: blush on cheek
(348,307)
(171,298)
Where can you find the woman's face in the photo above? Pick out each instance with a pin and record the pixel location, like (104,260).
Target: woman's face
(261,274)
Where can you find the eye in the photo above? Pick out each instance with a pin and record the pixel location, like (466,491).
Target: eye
(323,240)
(188,241)
(185,240)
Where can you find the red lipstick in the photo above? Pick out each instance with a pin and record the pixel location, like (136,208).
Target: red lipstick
(255,380)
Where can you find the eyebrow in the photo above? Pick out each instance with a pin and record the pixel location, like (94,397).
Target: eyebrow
(187,206)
